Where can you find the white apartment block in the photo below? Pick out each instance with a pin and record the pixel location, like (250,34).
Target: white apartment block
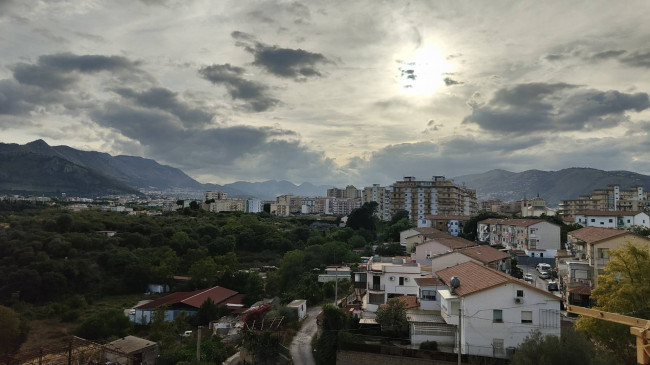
(495,311)
(521,234)
(254,206)
(612,219)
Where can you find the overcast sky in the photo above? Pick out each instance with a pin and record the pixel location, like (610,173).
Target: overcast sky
(332,92)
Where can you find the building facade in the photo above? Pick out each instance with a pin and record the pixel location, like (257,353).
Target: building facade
(612,198)
(437,196)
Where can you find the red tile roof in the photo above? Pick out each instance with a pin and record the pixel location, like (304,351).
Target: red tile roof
(219,295)
(580,290)
(475,278)
(428,281)
(596,234)
(484,254)
(430,232)
(453,243)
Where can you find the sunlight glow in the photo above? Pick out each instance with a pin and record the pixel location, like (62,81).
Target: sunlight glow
(424,72)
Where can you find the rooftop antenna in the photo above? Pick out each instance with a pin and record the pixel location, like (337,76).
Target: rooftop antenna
(454,283)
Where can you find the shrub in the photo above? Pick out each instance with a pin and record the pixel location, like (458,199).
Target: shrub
(429,345)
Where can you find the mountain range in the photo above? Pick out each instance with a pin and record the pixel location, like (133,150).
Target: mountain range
(552,186)
(38,168)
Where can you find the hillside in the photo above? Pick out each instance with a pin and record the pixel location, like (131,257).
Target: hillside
(553,186)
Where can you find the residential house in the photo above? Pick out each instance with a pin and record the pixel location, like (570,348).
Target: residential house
(430,326)
(495,311)
(536,236)
(433,247)
(415,236)
(300,306)
(131,350)
(592,245)
(484,255)
(428,287)
(189,303)
(452,224)
(389,277)
(612,219)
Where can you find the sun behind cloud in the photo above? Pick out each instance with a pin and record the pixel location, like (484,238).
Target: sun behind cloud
(422,73)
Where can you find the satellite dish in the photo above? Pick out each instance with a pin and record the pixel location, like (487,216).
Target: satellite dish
(454,282)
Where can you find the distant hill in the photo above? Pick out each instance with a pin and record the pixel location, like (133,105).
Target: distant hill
(553,186)
(37,167)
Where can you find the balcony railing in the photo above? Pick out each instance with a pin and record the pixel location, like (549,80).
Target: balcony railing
(377,287)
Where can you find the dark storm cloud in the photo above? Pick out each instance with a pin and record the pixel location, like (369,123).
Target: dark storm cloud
(297,64)
(17,99)
(167,100)
(637,59)
(255,94)
(449,81)
(234,149)
(59,71)
(528,108)
(607,54)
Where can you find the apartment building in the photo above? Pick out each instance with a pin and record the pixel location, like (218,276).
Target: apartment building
(537,236)
(226,205)
(214,195)
(452,224)
(380,195)
(612,198)
(437,196)
(350,192)
(612,219)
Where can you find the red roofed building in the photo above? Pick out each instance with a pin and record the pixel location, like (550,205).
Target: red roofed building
(188,303)
(496,310)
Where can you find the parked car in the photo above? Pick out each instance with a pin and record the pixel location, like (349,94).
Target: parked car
(552,286)
(528,277)
(544,275)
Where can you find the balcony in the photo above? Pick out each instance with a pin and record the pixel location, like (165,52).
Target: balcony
(377,287)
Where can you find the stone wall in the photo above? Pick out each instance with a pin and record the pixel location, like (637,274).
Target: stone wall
(369,358)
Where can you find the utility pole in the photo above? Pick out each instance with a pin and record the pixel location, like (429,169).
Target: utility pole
(460,315)
(336,288)
(198,345)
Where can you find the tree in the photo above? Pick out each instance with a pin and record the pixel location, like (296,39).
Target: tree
(205,273)
(103,325)
(623,288)
(392,318)
(399,215)
(640,230)
(470,227)
(390,249)
(207,312)
(334,321)
(363,217)
(570,348)
(9,329)
(263,346)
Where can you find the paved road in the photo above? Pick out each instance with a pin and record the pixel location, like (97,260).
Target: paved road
(301,351)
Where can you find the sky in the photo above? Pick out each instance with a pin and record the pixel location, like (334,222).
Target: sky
(332,92)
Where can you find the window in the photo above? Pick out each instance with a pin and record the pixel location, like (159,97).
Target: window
(401,280)
(603,253)
(428,295)
(520,293)
(593,220)
(497,316)
(611,220)
(628,221)
(526,317)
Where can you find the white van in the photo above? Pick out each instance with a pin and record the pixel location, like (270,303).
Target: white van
(543,267)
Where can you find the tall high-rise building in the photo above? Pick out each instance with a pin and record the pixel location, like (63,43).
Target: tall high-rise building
(438,196)
(380,195)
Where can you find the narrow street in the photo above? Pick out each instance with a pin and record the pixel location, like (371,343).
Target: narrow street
(301,350)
